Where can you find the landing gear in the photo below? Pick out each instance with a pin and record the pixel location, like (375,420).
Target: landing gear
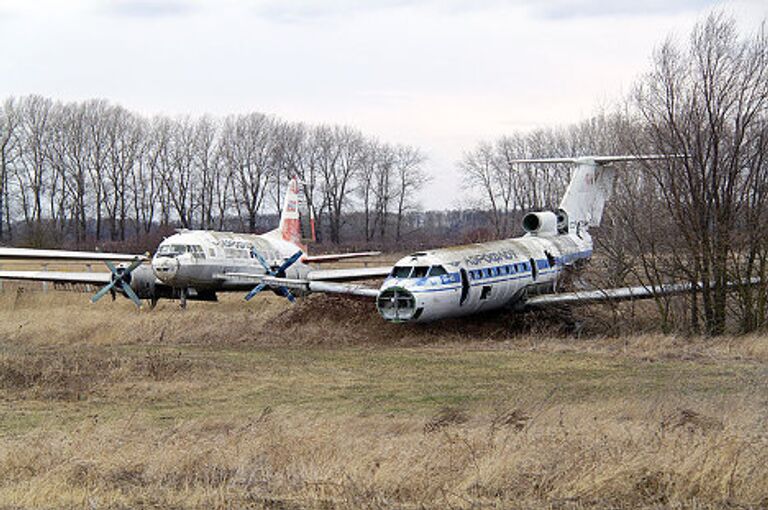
(153,302)
(183,299)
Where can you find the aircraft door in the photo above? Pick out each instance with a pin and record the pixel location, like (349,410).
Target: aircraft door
(534,270)
(464,286)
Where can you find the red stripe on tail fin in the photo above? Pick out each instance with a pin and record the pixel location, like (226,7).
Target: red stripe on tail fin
(297,223)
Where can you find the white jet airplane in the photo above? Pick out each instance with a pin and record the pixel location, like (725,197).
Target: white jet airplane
(195,265)
(518,273)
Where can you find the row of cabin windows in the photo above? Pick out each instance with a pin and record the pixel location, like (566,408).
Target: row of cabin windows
(173,250)
(490,272)
(417,271)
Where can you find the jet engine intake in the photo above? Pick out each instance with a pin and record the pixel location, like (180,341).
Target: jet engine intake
(541,223)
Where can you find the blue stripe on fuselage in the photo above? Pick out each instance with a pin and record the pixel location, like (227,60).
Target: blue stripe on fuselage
(543,268)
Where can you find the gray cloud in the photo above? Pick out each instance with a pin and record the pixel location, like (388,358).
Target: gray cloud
(574,9)
(150,8)
(305,10)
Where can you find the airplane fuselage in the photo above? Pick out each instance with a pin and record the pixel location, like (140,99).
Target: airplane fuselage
(479,277)
(207,260)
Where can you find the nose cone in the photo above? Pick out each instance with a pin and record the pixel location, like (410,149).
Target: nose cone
(165,268)
(396,304)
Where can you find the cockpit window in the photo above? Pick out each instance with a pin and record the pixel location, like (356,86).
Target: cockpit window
(420,272)
(171,250)
(437,271)
(401,271)
(174,250)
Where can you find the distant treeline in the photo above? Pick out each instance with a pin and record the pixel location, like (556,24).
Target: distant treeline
(88,171)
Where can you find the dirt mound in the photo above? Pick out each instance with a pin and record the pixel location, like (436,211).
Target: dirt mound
(340,320)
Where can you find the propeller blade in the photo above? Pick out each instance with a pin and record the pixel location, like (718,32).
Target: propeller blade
(261,260)
(131,294)
(283,291)
(136,263)
(118,277)
(286,294)
(290,261)
(104,290)
(255,291)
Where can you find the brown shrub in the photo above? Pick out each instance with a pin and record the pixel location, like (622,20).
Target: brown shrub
(446,417)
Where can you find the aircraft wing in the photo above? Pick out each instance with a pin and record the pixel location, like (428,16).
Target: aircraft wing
(348,275)
(583,297)
(324,275)
(306,285)
(34,254)
(57,276)
(320,259)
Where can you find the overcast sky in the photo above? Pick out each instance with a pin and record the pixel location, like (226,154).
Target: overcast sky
(440,75)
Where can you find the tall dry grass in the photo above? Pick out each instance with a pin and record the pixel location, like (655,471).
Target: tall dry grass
(564,456)
(264,405)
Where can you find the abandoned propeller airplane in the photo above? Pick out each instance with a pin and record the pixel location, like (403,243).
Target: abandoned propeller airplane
(195,265)
(518,273)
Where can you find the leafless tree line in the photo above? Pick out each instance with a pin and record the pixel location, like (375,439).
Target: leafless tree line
(92,170)
(702,217)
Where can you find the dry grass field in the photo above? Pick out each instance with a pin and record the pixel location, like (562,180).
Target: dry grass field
(323,406)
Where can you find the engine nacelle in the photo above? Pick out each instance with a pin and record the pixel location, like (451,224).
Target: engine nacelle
(540,223)
(142,281)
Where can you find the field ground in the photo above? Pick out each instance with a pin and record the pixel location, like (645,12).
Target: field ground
(322,405)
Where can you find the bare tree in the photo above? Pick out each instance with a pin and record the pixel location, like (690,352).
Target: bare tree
(709,102)
(246,145)
(9,124)
(410,179)
(340,151)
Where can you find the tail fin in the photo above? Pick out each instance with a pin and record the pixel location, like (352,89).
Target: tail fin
(297,223)
(591,185)
(584,200)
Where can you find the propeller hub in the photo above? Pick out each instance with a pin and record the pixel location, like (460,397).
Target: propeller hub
(121,276)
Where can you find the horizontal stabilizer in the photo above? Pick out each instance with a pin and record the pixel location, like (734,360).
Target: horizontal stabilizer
(34,254)
(623,293)
(596,160)
(319,259)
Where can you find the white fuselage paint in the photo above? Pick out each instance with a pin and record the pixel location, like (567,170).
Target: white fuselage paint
(208,257)
(480,277)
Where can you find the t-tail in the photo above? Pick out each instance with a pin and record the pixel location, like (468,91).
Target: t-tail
(590,187)
(297,221)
